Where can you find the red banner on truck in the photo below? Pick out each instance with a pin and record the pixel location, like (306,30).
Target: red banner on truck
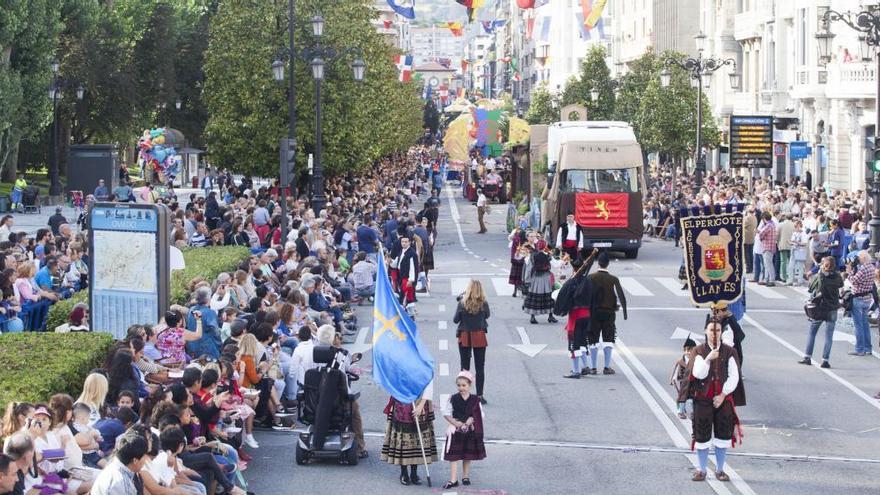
(602,210)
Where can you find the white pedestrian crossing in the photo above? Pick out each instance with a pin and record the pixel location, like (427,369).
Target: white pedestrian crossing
(765,292)
(672,285)
(634,287)
(458,284)
(502,288)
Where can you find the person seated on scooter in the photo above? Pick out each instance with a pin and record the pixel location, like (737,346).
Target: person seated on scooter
(342,361)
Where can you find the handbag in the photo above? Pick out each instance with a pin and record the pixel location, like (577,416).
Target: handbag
(814,311)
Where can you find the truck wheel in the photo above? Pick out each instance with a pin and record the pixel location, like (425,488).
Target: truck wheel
(302,456)
(632,254)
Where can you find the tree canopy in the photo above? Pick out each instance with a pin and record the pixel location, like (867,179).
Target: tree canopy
(248,110)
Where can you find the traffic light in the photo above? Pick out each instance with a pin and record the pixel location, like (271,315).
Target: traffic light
(288,161)
(875,161)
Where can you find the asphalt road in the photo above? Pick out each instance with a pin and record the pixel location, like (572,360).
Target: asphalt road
(807,430)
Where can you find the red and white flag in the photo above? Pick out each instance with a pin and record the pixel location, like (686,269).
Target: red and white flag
(405,66)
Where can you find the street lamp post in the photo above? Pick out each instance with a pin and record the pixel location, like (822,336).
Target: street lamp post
(866,22)
(318,56)
(699,68)
(56,94)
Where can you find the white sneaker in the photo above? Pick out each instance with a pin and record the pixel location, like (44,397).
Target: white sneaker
(250,441)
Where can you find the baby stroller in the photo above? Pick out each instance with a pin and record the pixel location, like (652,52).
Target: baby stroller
(325,406)
(30,199)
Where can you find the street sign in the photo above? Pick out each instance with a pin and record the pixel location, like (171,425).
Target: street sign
(751,141)
(128,266)
(798,150)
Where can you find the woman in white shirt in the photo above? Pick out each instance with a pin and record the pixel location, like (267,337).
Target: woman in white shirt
(799,242)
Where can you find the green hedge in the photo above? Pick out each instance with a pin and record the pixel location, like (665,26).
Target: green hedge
(38,365)
(207,262)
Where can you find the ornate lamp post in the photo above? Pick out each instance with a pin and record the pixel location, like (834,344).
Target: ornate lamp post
(866,22)
(699,68)
(56,94)
(318,57)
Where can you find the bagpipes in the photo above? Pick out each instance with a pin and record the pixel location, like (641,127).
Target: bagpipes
(713,252)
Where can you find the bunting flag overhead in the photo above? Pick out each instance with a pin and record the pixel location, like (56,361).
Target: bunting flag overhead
(592,10)
(407,11)
(454,27)
(597,33)
(491,26)
(472,6)
(405,67)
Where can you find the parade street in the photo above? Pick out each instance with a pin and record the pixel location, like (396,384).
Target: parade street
(806,429)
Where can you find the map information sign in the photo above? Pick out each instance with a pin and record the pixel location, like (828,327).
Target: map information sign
(129,266)
(751,141)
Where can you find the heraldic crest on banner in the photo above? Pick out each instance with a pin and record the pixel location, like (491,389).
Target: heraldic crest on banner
(713,252)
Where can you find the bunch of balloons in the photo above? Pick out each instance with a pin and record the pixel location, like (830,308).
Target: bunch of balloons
(159,160)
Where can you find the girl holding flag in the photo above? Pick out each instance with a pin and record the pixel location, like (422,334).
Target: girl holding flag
(401,445)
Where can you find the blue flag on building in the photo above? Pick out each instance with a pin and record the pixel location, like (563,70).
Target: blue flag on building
(407,11)
(402,364)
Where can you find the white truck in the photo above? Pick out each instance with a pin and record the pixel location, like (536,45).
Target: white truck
(594,171)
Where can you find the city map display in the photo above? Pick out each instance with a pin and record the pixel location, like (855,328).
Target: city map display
(127,262)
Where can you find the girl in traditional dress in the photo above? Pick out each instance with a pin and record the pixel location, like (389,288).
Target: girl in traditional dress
(539,300)
(401,445)
(517,238)
(464,435)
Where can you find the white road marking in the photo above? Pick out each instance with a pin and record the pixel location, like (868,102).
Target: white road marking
(441,308)
(801,290)
(444,345)
(852,388)
(671,430)
(441,325)
(765,292)
(750,310)
(636,265)
(457,285)
(667,400)
(527,348)
(633,286)
(673,286)
(444,369)
(493,265)
(502,288)
(487,274)
(360,343)
(682,334)
(453,208)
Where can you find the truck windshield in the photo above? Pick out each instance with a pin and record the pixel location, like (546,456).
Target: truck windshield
(600,181)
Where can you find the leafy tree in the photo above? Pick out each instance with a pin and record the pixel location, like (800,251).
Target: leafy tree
(248,109)
(594,75)
(668,116)
(633,85)
(543,108)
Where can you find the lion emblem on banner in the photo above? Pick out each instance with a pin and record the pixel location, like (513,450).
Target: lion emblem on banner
(716,260)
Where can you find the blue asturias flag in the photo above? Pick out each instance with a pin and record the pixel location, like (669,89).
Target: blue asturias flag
(406,11)
(402,364)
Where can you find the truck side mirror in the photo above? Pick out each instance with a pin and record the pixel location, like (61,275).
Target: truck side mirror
(551,174)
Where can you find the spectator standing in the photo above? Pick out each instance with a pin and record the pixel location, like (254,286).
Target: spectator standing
(861,276)
(783,235)
(56,220)
(768,237)
(825,291)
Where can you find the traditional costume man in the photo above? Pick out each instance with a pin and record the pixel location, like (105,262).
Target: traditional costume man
(407,264)
(569,238)
(716,389)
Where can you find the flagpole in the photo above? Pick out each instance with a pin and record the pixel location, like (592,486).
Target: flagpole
(422,444)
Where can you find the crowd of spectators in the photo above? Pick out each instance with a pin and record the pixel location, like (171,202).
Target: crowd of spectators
(174,407)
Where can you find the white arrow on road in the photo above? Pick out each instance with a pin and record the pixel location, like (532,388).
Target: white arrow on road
(360,344)
(844,337)
(682,334)
(527,347)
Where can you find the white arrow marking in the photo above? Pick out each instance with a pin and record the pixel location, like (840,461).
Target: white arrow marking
(360,344)
(844,337)
(441,325)
(527,347)
(682,334)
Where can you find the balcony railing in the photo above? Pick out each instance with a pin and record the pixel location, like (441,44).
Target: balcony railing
(852,80)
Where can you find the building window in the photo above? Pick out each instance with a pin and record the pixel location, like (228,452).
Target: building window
(802,37)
